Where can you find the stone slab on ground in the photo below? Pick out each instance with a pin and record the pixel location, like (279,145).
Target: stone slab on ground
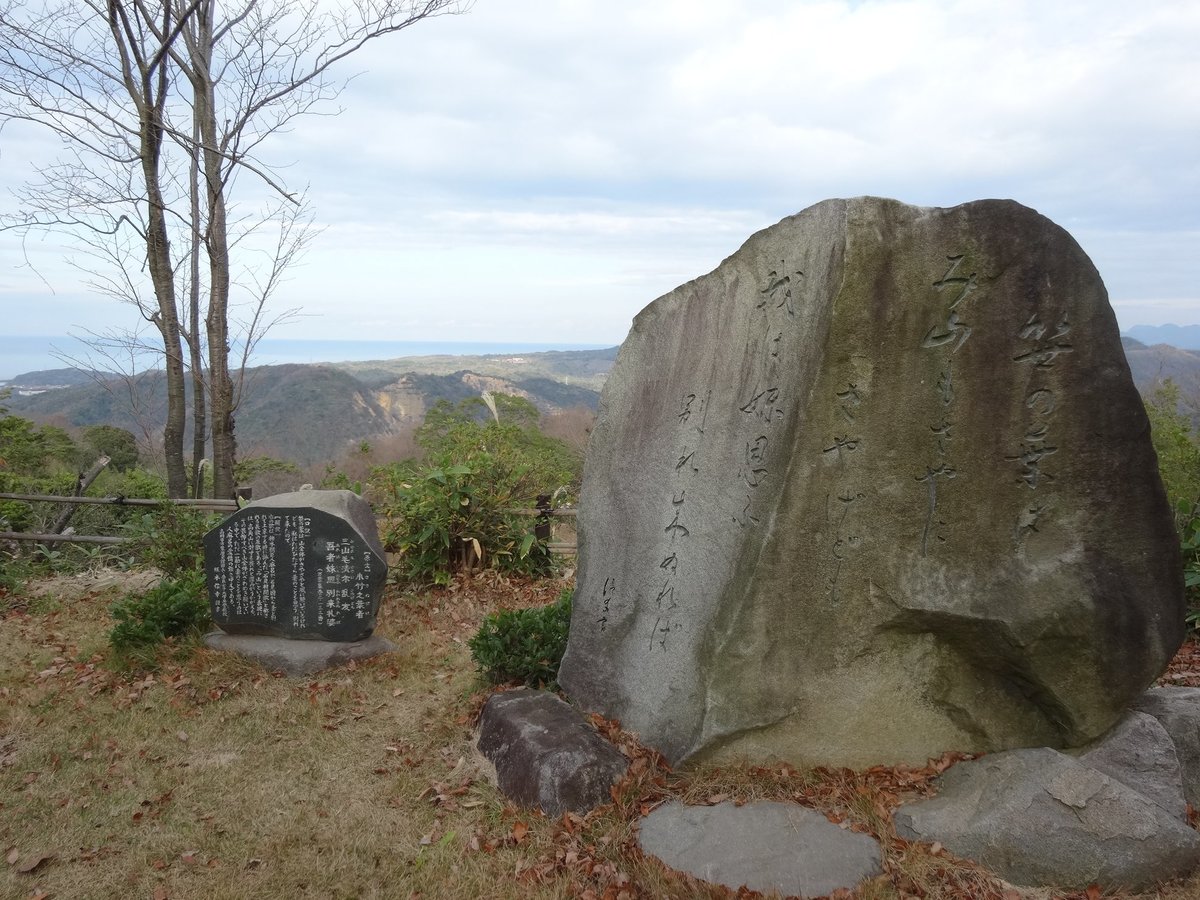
(766,846)
(878,487)
(546,753)
(297,658)
(1040,818)
(1177,709)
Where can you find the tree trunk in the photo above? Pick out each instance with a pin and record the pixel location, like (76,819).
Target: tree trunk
(199,407)
(224,445)
(158,258)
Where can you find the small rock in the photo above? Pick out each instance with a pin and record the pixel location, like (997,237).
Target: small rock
(546,754)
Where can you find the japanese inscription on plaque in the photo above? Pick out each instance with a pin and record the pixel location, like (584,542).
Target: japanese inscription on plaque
(306,565)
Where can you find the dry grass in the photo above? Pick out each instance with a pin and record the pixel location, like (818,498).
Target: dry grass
(211,778)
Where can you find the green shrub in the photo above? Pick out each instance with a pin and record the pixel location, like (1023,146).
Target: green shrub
(119,445)
(524,645)
(1190,545)
(15,571)
(175,608)
(33,460)
(1179,465)
(171,538)
(452,511)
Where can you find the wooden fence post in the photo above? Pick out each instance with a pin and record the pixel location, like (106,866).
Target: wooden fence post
(81,484)
(541,528)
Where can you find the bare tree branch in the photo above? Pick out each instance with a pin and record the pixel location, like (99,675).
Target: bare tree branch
(159,106)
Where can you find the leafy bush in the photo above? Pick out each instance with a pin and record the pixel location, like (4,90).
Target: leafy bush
(524,645)
(1179,464)
(15,570)
(452,512)
(33,460)
(119,445)
(171,538)
(134,483)
(175,608)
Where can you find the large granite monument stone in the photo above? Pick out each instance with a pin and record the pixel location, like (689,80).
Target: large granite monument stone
(877,487)
(305,565)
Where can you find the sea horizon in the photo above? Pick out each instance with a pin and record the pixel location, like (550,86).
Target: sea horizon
(36,353)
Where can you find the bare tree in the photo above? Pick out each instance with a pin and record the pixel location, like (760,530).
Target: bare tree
(102,89)
(161,105)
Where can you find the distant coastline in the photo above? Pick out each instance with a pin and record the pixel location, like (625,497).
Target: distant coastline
(37,352)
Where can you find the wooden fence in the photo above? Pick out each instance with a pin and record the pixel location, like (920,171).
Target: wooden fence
(543,514)
(57,537)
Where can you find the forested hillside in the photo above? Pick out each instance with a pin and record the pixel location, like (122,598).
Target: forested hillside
(310,414)
(1153,365)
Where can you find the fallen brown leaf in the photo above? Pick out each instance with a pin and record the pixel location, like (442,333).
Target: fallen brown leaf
(33,862)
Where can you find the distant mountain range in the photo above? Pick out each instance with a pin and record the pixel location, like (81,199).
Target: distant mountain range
(1185,337)
(1152,365)
(312,413)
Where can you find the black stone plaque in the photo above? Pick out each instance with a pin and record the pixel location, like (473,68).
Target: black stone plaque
(306,565)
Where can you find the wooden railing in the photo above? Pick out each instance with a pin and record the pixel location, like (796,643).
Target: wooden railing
(207,504)
(214,505)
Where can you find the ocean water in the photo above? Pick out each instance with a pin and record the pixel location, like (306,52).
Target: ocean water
(275,352)
(26,353)
(32,353)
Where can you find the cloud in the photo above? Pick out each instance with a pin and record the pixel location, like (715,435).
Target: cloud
(545,170)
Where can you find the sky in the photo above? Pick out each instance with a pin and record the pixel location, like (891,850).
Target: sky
(534,171)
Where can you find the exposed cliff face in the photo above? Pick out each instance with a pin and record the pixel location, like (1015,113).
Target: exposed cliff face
(482,383)
(401,403)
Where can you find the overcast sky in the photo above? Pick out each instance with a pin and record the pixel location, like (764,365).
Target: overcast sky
(541,171)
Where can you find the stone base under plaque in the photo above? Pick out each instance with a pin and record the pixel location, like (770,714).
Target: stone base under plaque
(297,658)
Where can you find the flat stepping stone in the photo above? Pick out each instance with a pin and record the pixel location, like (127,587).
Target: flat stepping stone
(296,658)
(765,847)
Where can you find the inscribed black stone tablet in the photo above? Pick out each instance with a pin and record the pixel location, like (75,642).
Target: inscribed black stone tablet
(306,565)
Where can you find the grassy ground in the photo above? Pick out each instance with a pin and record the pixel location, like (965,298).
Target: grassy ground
(211,779)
